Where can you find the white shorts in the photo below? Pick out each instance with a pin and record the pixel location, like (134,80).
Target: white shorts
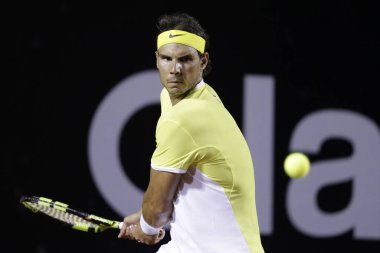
(169,247)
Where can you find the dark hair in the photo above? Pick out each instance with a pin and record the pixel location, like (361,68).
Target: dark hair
(185,22)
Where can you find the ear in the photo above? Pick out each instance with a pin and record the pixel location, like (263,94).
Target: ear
(157,56)
(204,60)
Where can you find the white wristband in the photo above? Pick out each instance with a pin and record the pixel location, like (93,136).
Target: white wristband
(148,229)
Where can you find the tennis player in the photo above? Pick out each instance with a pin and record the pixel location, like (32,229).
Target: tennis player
(202,178)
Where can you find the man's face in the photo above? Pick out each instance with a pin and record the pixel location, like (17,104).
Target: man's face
(180,67)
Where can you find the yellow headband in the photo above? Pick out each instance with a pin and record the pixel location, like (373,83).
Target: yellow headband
(181,37)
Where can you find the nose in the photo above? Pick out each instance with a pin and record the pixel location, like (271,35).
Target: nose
(176,68)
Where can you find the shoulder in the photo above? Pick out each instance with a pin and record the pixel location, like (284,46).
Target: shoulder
(164,94)
(165,100)
(212,94)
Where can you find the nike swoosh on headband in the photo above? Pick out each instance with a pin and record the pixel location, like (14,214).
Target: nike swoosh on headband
(175,35)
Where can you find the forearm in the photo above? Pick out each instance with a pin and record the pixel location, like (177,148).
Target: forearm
(157,205)
(157,213)
(156,209)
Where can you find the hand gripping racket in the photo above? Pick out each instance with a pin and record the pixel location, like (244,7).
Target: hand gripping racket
(69,216)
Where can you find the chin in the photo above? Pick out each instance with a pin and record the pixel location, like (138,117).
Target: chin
(174,90)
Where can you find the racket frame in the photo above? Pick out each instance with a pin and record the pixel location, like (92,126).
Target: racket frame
(99,223)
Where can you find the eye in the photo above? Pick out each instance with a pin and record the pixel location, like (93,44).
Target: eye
(166,58)
(187,58)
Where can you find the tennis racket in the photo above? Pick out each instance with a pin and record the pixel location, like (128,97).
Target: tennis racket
(69,216)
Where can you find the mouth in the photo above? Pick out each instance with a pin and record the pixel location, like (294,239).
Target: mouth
(174,84)
(175,81)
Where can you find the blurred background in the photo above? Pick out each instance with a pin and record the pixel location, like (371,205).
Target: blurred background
(81,102)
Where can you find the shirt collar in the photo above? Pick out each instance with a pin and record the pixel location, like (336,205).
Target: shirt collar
(199,85)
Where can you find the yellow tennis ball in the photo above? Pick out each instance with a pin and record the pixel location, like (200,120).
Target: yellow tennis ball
(297,165)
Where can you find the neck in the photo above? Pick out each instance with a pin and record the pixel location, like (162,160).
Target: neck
(175,99)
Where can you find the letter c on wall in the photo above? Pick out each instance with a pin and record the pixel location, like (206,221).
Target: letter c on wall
(118,106)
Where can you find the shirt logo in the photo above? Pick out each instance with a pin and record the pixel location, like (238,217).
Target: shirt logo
(175,35)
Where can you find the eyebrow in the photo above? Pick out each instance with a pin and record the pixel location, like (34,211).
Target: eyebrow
(181,57)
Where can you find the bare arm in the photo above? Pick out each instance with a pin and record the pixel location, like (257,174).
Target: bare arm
(157,207)
(158,199)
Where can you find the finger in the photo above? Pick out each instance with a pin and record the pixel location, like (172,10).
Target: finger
(129,232)
(161,234)
(122,232)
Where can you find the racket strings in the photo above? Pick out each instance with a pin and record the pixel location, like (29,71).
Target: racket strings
(64,216)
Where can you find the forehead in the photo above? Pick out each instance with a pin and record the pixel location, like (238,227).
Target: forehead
(177,50)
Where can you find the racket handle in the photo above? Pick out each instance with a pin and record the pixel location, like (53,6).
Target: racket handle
(121,225)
